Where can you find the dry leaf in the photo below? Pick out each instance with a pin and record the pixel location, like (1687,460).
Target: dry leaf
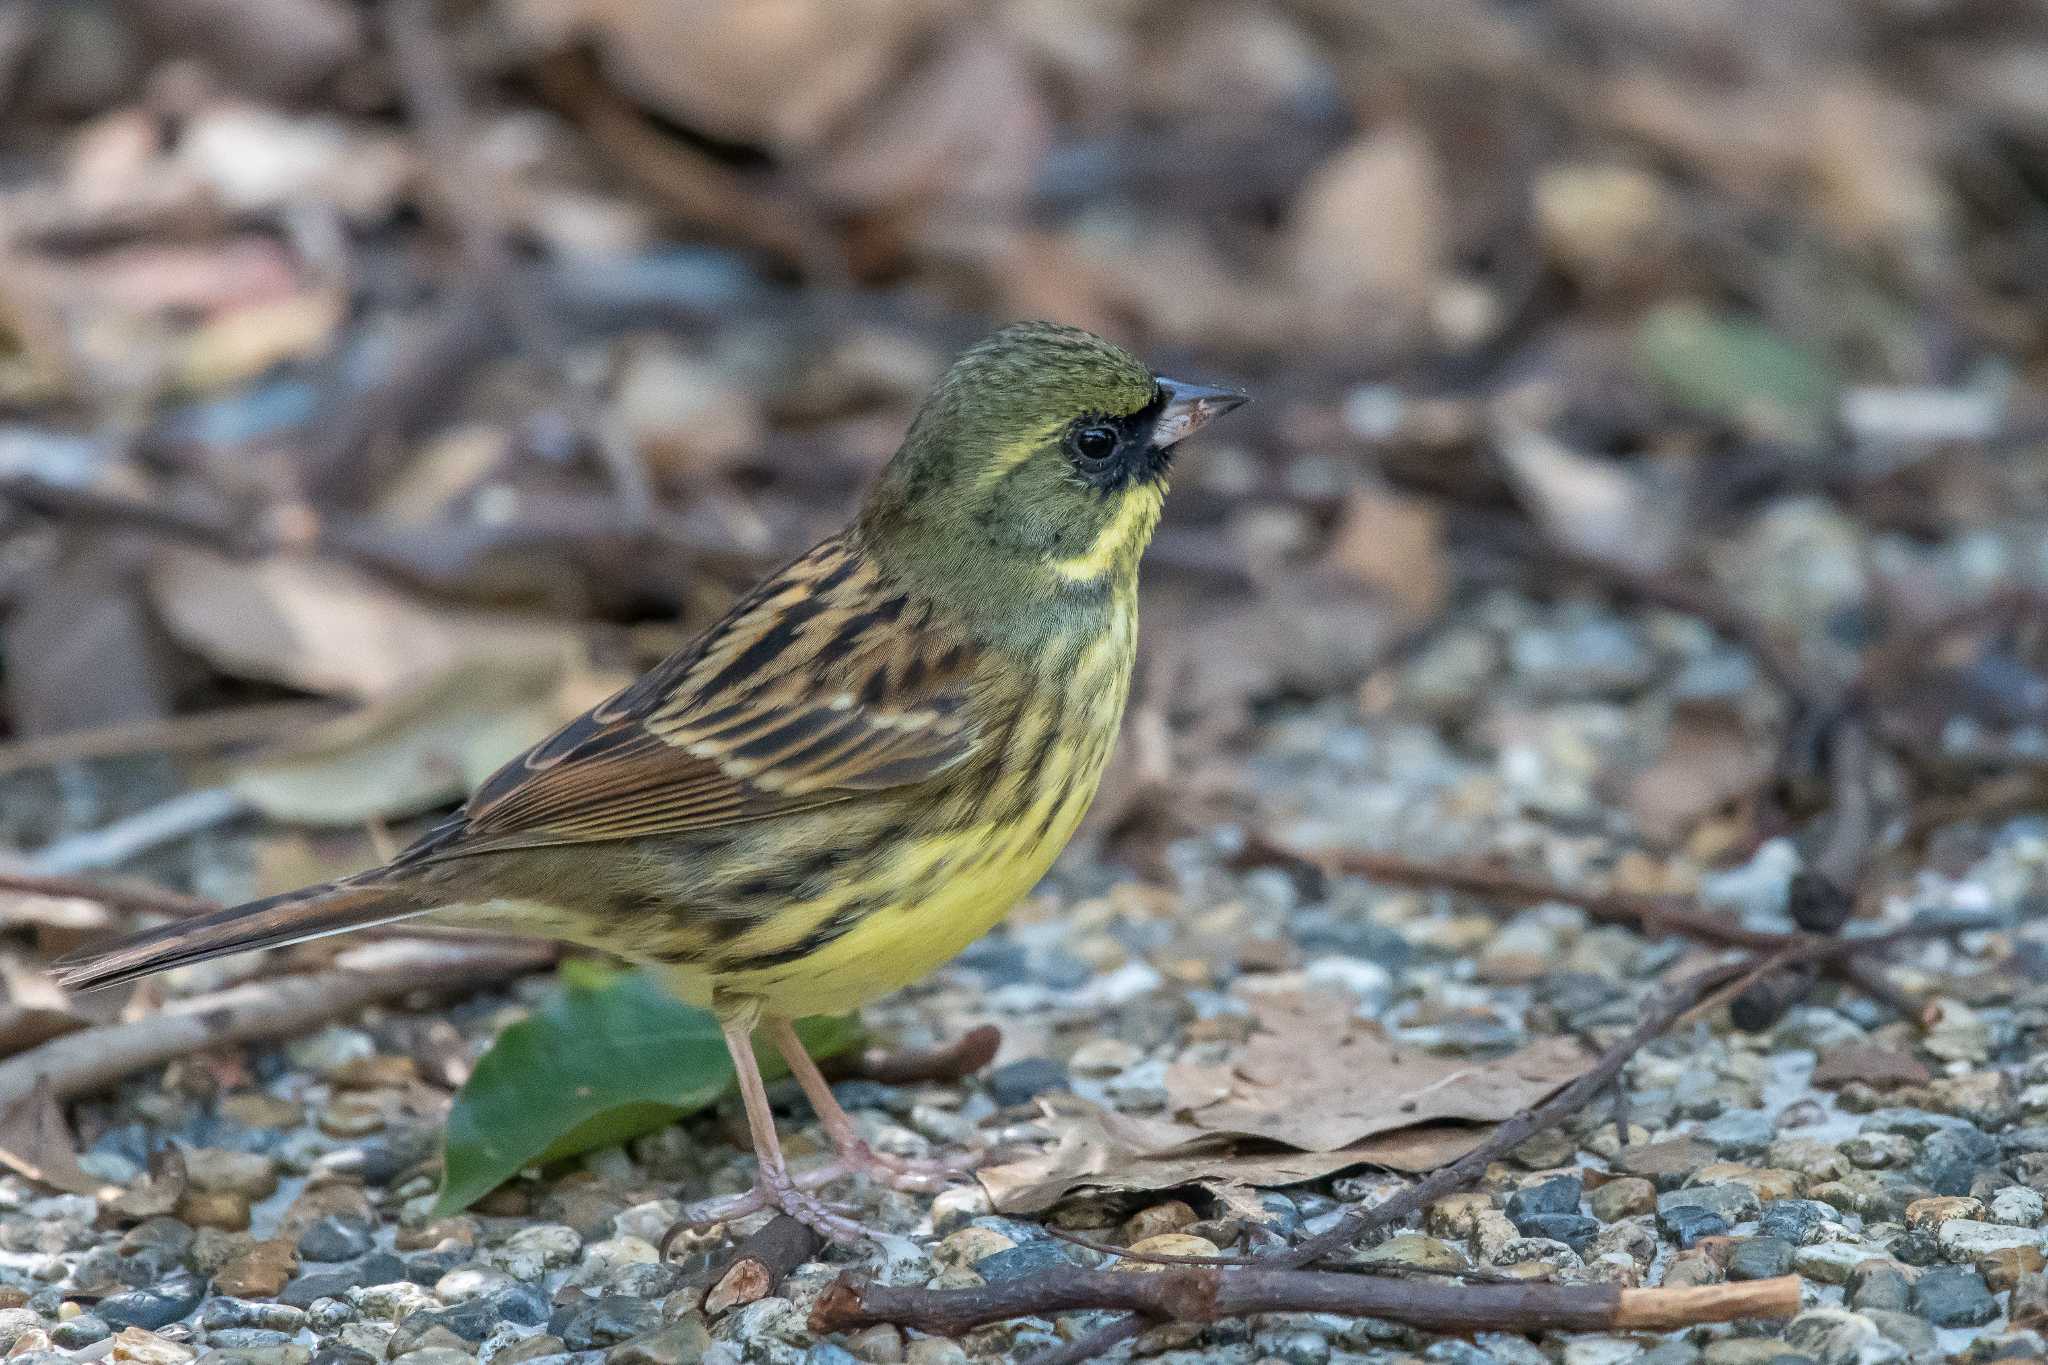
(35,1141)
(328,628)
(158,1191)
(1709,761)
(1317,1077)
(1102,1150)
(1396,545)
(1595,508)
(420,748)
(1368,230)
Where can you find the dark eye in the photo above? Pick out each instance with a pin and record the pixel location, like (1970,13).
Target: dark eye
(1093,443)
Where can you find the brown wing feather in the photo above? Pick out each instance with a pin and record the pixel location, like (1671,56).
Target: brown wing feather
(820,684)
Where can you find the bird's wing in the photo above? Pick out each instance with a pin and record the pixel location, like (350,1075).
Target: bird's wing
(820,684)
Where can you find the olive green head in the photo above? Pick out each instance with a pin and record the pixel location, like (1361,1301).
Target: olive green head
(1037,466)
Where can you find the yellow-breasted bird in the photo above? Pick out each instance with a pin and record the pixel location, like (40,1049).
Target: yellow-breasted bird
(852,775)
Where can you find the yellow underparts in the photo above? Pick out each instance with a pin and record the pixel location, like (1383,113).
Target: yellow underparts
(1126,532)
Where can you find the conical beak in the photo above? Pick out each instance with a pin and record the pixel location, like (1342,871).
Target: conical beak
(1189,408)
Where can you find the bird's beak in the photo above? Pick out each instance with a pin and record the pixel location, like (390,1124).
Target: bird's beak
(1189,408)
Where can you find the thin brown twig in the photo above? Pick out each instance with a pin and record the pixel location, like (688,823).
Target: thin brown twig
(120,896)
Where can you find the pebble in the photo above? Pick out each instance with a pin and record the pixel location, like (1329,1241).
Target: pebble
(1833,1262)
(605,1321)
(1739,1132)
(222,1312)
(1625,1197)
(159,1305)
(333,1238)
(389,1302)
(1880,1285)
(219,1171)
(226,1209)
(1950,1296)
(259,1272)
(679,1343)
(532,1251)
(1171,1216)
(1022,1261)
(79,1332)
(2019,1206)
(137,1346)
(1560,1194)
(1965,1239)
(1759,1258)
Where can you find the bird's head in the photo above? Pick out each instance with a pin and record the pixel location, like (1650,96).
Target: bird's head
(1036,467)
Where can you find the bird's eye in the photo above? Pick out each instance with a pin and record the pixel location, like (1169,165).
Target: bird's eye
(1094,443)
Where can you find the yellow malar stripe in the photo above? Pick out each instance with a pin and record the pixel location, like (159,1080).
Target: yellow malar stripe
(1133,520)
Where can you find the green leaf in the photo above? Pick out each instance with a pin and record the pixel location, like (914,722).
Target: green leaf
(1739,371)
(611,1056)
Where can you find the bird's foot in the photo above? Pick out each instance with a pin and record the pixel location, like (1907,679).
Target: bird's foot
(784,1191)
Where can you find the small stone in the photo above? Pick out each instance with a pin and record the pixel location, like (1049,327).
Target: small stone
(535,1347)
(391,1302)
(968,1245)
(1879,1285)
(1879,1195)
(679,1343)
(1292,1346)
(1574,1230)
(471,1282)
(1168,1244)
(1949,1296)
(2003,1270)
(1809,1157)
(1414,1249)
(534,1250)
(1560,1194)
(464,1232)
(1965,1239)
(1798,1221)
(1688,1223)
(2018,1206)
(255,1109)
(1878,1151)
(352,1114)
(327,1051)
(376,1072)
(934,1351)
(954,1208)
(1024,1080)
(79,1332)
(435,1355)
(1935,1210)
(260,1272)
(219,1171)
(1544,1150)
(606,1261)
(224,1312)
(223,1209)
(332,1237)
(1915,1335)
(1101,1057)
(604,1321)
(1950,1159)
(1833,1262)
(1022,1261)
(160,1305)
(2030,1302)
(1665,1164)
(1759,1258)
(137,1346)
(1171,1216)
(1626,1197)
(1739,1132)
(1750,1351)
(1591,1350)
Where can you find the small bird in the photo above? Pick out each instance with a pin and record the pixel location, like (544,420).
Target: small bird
(854,773)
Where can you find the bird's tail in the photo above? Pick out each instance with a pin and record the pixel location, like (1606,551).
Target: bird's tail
(273,922)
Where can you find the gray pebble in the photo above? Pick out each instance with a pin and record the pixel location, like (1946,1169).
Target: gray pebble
(1953,1296)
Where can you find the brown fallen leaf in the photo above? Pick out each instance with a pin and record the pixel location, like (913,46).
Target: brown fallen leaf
(1870,1064)
(1099,1149)
(157,1191)
(328,628)
(1368,236)
(35,1142)
(1710,760)
(1317,1077)
(1395,545)
(1315,1092)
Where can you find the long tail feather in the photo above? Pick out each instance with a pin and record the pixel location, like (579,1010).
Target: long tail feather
(294,917)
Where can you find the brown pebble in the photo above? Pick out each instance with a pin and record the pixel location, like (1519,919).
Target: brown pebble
(1171,1216)
(2004,1269)
(261,1272)
(881,1344)
(1689,1269)
(1623,1198)
(254,1109)
(379,1072)
(530,1349)
(504,1202)
(1932,1212)
(746,1281)
(1167,1244)
(12,1296)
(223,1209)
(353,1114)
(431,1236)
(336,1199)
(2030,1303)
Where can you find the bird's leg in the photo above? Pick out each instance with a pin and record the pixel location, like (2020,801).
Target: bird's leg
(774,1186)
(903,1173)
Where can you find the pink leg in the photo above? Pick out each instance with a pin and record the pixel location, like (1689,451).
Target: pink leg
(903,1173)
(774,1186)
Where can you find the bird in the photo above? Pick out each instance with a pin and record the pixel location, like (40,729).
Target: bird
(852,774)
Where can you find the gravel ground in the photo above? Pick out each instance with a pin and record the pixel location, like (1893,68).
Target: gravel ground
(1912,1210)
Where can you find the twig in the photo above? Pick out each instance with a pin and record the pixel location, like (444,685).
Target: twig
(179,734)
(1194,1294)
(80,1063)
(962,1057)
(177,818)
(759,1263)
(127,899)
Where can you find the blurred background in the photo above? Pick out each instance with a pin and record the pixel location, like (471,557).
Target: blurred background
(382,383)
